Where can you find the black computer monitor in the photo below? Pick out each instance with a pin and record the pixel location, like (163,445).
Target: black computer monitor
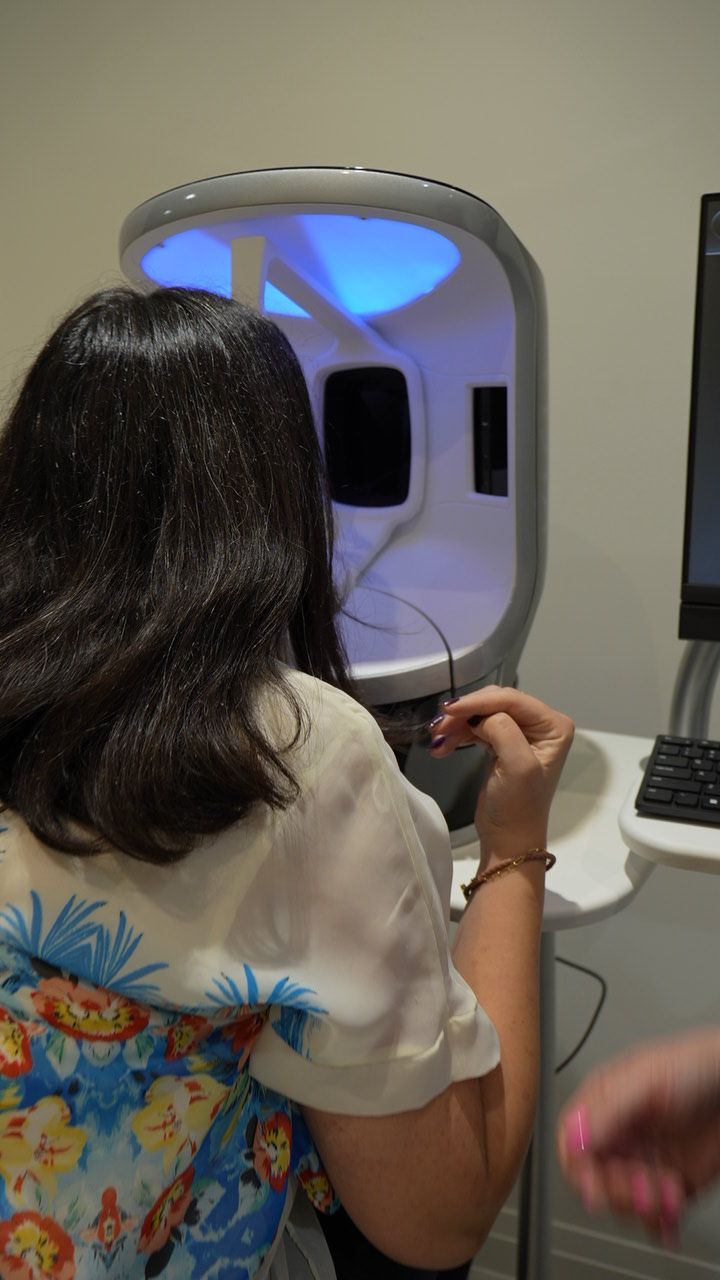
(700,596)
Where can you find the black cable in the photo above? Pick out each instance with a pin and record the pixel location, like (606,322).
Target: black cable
(443,639)
(596,1014)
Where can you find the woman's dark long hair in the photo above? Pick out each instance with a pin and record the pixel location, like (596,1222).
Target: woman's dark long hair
(165,534)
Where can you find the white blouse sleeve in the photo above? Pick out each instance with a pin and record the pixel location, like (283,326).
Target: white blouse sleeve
(365,867)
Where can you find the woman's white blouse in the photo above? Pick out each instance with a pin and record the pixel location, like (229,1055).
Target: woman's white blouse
(334,912)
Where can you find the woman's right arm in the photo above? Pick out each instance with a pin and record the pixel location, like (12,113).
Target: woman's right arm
(425,1186)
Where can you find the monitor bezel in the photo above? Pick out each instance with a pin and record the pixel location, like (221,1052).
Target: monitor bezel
(699,602)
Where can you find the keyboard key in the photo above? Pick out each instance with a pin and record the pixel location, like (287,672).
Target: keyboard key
(705,775)
(658,795)
(677,742)
(675,784)
(669,748)
(670,771)
(710,802)
(687,798)
(691,753)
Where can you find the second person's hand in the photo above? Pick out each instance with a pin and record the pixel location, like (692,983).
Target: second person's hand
(642,1134)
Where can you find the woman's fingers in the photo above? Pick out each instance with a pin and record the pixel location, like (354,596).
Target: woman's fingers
(506,739)
(535,718)
(498,731)
(467,719)
(529,742)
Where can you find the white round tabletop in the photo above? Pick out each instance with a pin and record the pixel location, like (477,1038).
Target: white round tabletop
(596,874)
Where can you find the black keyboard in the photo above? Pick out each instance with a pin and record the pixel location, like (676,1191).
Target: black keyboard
(682,781)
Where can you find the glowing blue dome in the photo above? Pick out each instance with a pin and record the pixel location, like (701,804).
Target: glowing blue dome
(371,265)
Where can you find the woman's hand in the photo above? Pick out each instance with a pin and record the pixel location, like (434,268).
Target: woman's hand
(529,742)
(642,1134)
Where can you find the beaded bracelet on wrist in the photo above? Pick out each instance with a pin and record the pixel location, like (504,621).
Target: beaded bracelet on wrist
(502,868)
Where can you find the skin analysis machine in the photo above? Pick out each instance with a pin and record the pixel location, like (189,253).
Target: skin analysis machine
(418,319)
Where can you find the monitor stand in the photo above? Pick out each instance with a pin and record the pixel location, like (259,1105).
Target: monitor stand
(690,846)
(694,688)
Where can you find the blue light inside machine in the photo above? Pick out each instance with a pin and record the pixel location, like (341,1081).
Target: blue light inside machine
(371,265)
(191,259)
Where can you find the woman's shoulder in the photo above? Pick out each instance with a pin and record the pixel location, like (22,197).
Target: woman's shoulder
(329,708)
(334,726)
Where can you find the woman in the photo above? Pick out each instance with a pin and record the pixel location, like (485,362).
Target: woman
(223,913)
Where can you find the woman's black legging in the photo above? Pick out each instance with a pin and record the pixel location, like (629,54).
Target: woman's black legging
(356,1259)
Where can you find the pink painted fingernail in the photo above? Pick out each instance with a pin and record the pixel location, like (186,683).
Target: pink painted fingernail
(640,1188)
(576,1131)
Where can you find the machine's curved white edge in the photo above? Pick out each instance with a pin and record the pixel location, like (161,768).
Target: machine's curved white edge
(304,185)
(685,845)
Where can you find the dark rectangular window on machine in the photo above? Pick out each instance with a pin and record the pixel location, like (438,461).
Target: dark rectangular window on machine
(366,428)
(490,440)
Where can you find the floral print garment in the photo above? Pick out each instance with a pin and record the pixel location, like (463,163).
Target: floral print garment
(133,1140)
(161,1027)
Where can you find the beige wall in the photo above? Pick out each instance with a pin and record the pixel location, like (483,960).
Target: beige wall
(591,127)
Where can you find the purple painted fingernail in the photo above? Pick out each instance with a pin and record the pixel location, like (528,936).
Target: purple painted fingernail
(435,721)
(437,742)
(447,702)
(576,1131)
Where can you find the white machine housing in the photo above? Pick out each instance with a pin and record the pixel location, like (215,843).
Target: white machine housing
(440,582)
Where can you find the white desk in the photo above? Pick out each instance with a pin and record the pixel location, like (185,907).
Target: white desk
(687,845)
(595,875)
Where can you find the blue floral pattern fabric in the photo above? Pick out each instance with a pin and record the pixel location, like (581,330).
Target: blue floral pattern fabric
(133,1140)
(162,1027)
